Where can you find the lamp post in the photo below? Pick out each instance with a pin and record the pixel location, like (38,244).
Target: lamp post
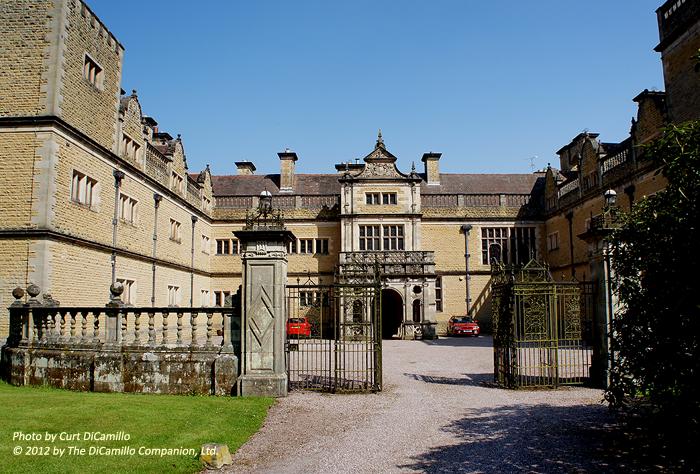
(194,222)
(610,199)
(466,228)
(118,177)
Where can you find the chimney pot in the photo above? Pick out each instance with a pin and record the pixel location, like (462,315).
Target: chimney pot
(288,161)
(432,167)
(245,167)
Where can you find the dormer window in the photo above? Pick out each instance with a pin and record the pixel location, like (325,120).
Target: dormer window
(388,198)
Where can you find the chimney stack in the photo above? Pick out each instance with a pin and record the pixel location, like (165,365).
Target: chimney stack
(432,167)
(287,164)
(245,168)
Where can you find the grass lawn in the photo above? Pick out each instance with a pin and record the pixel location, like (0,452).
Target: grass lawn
(151,421)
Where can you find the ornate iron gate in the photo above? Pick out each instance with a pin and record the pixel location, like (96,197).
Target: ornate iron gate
(538,329)
(334,337)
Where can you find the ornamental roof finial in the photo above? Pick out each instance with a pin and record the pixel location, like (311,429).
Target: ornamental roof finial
(380,140)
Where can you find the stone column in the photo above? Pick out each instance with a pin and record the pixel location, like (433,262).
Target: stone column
(263,363)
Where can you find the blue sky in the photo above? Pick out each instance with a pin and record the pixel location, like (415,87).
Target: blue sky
(489,84)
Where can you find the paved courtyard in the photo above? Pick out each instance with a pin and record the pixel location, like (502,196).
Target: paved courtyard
(433,415)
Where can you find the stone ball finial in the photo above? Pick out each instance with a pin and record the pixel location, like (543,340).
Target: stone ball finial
(33,290)
(116,289)
(18,293)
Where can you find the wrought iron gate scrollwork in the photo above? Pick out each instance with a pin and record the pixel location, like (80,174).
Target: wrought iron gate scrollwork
(538,328)
(342,350)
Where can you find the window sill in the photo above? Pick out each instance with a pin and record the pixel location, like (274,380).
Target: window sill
(128,223)
(177,241)
(84,205)
(93,86)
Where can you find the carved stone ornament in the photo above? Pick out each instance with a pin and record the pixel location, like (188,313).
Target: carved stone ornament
(381,170)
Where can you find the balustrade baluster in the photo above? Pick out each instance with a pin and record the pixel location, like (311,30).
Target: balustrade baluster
(151,328)
(137,327)
(43,327)
(62,326)
(164,339)
(83,329)
(51,326)
(210,327)
(179,328)
(73,325)
(96,326)
(125,315)
(193,327)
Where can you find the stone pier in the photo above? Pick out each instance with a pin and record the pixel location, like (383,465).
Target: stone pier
(263,365)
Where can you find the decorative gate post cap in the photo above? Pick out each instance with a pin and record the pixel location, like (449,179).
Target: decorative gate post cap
(116,289)
(18,293)
(33,290)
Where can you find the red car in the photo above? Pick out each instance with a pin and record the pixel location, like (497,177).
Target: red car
(298,327)
(462,325)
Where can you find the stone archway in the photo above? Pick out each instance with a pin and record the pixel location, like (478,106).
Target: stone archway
(392,312)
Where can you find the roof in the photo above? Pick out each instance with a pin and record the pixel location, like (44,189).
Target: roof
(327,184)
(484,184)
(576,139)
(165,148)
(252,185)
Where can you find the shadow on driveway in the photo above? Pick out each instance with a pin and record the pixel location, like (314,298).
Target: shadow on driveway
(467,379)
(529,438)
(461,341)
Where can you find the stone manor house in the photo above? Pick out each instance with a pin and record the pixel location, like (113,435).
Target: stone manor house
(92,190)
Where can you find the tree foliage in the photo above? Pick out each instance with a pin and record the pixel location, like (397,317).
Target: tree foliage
(656,338)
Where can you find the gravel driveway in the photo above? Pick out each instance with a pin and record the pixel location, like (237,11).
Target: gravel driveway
(433,415)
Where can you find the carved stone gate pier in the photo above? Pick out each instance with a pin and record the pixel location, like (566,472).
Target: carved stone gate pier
(264,239)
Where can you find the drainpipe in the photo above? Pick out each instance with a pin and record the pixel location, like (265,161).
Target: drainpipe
(466,228)
(118,177)
(570,217)
(157,198)
(194,221)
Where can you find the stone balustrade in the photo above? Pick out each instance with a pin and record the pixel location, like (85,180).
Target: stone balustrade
(615,160)
(167,327)
(388,262)
(572,185)
(162,350)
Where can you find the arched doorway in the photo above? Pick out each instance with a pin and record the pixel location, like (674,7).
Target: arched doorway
(392,312)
